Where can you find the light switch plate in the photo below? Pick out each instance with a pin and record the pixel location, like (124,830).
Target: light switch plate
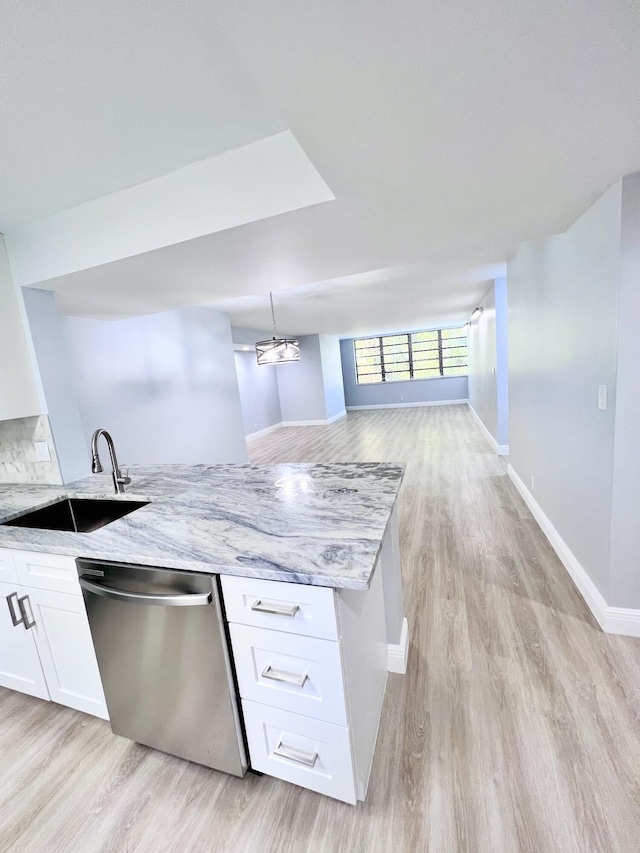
(602,398)
(43,454)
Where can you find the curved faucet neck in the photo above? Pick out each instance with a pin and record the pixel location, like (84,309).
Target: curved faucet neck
(119,481)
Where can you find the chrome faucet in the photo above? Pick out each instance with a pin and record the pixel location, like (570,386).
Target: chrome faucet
(119,481)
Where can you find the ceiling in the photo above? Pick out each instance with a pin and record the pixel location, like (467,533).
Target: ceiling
(447,132)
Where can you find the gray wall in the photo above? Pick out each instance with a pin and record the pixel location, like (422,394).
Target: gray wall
(625,523)
(488,363)
(446,388)
(164,385)
(563,295)
(54,364)
(301,384)
(258,385)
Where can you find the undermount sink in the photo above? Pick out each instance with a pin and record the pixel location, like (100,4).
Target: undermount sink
(80,515)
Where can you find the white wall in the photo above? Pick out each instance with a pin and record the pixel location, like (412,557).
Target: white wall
(332,375)
(624,590)
(54,364)
(18,389)
(301,384)
(306,391)
(488,364)
(164,385)
(258,385)
(563,294)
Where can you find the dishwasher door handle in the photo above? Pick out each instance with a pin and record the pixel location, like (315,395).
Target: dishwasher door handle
(197,599)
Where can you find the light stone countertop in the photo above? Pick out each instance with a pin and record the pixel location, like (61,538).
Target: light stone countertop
(304,523)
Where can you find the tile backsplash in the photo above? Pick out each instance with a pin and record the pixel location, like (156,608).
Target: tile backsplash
(18,461)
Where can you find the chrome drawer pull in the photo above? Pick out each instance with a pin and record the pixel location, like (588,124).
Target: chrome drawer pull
(12,612)
(277,609)
(298,755)
(28,623)
(281,675)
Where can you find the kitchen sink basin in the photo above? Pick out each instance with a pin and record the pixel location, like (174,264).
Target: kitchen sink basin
(81,515)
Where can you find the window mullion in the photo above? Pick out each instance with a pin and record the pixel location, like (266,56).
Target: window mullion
(382,370)
(410,356)
(440,364)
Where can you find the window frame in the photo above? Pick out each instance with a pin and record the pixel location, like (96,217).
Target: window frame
(439,353)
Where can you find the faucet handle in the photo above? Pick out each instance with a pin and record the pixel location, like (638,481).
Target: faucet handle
(120,480)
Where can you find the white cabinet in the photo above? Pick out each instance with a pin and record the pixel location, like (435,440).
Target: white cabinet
(55,572)
(311,664)
(66,651)
(8,573)
(49,653)
(20,667)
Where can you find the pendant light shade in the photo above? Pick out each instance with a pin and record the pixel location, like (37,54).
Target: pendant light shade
(277,350)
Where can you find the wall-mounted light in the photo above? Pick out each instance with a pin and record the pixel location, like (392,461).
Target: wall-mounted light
(477,312)
(277,350)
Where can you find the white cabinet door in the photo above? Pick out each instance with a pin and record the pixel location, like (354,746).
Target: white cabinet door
(66,650)
(20,667)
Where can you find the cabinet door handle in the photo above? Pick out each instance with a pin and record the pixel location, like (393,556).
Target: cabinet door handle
(298,755)
(283,675)
(275,608)
(12,612)
(28,623)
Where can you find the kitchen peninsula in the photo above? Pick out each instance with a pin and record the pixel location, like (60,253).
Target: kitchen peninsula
(323,536)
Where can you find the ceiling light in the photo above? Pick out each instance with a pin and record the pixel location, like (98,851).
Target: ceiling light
(277,350)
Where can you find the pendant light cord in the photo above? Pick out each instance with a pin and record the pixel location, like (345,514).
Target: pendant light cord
(273,317)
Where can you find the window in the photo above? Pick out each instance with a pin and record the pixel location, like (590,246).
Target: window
(414,355)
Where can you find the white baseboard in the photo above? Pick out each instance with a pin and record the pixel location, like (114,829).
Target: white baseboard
(397,654)
(331,420)
(500,449)
(408,405)
(262,432)
(273,427)
(612,620)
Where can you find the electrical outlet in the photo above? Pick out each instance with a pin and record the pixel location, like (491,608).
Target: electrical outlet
(602,398)
(43,454)
(533,483)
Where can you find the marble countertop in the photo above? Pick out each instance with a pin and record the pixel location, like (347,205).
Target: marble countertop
(304,523)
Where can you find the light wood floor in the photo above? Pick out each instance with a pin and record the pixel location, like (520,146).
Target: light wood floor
(516,728)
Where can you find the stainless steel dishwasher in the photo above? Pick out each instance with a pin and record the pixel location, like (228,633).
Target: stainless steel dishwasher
(160,641)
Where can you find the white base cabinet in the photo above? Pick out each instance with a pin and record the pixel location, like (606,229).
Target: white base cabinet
(20,667)
(311,664)
(49,652)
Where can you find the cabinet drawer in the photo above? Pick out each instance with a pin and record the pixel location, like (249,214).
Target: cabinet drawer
(55,572)
(300,674)
(8,573)
(306,752)
(291,607)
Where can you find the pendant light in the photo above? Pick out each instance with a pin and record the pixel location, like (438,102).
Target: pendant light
(277,350)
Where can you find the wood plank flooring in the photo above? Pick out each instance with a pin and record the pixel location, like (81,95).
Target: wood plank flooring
(516,728)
